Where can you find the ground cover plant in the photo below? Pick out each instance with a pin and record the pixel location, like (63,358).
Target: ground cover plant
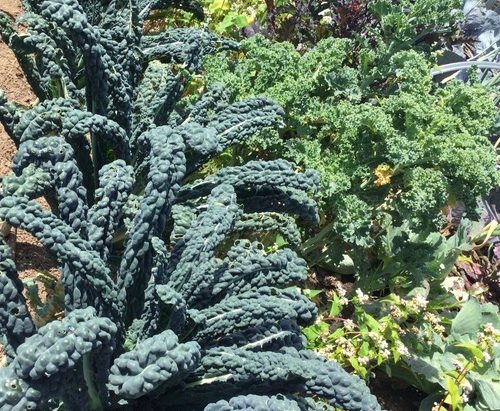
(440,339)
(438,344)
(168,304)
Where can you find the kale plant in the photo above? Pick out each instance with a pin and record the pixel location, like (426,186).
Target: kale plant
(393,151)
(169,304)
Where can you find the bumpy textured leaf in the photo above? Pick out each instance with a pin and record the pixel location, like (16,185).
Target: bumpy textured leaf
(247,266)
(157,93)
(284,371)
(156,361)
(16,394)
(191,258)
(263,186)
(106,88)
(15,322)
(104,216)
(184,45)
(53,155)
(59,345)
(189,5)
(167,168)
(262,403)
(269,221)
(252,309)
(85,276)
(9,116)
(31,183)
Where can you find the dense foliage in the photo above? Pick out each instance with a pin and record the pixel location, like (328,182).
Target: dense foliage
(305,22)
(389,163)
(436,343)
(177,286)
(167,302)
(404,153)
(221,16)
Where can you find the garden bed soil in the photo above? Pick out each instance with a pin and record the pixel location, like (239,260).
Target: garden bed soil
(394,395)
(30,257)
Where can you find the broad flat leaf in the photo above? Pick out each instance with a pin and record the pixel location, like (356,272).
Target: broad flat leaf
(468,320)
(371,322)
(428,402)
(490,315)
(489,393)
(335,308)
(403,373)
(314,331)
(444,254)
(219,5)
(280,241)
(438,342)
(310,293)
(472,348)
(240,21)
(424,366)
(364,349)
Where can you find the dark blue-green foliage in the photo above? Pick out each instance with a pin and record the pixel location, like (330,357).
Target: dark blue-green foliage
(167,304)
(265,403)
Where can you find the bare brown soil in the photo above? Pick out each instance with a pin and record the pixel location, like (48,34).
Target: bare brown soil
(30,257)
(13,83)
(2,357)
(11,7)
(29,254)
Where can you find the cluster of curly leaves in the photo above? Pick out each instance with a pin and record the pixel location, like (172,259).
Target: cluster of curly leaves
(158,315)
(393,151)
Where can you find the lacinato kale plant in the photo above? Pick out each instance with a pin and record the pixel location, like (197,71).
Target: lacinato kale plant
(394,150)
(169,304)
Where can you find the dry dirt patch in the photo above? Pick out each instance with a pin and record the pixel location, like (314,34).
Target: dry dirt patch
(13,83)
(29,252)
(30,256)
(11,7)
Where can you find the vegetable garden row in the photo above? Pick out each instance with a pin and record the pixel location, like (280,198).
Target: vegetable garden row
(255,205)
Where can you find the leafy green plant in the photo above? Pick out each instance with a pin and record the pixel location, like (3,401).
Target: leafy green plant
(402,24)
(50,306)
(373,335)
(388,163)
(360,342)
(420,339)
(221,16)
(226,17)
(465,364)
(169,302)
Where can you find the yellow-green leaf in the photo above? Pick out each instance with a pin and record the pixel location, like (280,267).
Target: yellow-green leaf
(453,397)
(474,350)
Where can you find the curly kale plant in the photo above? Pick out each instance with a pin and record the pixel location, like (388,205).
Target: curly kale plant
(167,305)
(391,152)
